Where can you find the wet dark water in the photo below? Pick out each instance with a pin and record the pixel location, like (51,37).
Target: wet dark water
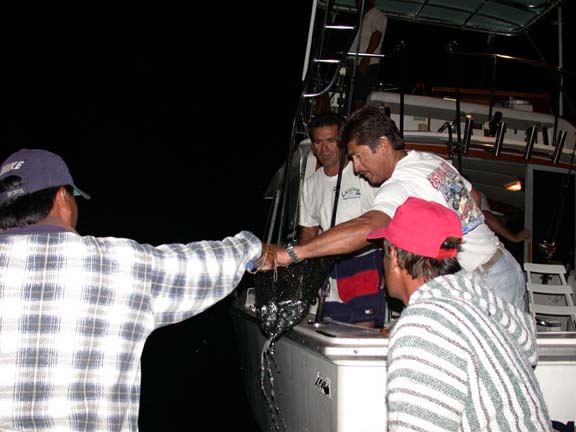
(191,377)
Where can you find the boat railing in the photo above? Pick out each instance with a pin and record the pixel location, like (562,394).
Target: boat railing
(558,74)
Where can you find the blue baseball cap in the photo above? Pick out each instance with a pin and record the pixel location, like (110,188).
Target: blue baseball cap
(38,169)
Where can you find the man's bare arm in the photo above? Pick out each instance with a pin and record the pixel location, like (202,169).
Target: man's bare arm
(307,234)
(495,225)
(343,238)
(375,40)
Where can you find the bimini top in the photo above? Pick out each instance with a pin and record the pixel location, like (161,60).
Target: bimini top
(504,17)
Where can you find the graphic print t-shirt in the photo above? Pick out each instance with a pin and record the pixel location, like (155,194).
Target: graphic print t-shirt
(432,178)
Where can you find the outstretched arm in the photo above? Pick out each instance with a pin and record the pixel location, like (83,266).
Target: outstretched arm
(343,238)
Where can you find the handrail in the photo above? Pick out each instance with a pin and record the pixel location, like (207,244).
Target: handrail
(341,62)
(451,48)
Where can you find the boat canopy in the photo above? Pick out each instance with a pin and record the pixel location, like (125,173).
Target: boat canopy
(504,17)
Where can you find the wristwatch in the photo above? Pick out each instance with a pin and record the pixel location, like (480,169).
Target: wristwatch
(292,253)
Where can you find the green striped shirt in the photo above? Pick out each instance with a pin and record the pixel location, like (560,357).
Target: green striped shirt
(461,359)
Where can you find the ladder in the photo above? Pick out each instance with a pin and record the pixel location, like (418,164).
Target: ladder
(324,65)
(323,78)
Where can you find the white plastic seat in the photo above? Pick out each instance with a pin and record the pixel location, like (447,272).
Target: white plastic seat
(536,272)
(564,292)
(554,318)
(550,304)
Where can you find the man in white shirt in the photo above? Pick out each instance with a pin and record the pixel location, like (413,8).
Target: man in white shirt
(355,294)
(373,29)
(378,154)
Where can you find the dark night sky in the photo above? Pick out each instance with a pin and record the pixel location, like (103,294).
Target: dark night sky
(174,121)
(174,128)
(160,116)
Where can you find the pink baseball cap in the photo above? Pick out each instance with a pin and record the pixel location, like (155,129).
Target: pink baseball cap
(420,227)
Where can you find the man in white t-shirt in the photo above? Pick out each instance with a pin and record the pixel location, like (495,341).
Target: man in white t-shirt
(378,154)
(374,23)
(355,284)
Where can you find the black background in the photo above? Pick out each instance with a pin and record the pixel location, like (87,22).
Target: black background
(174,119)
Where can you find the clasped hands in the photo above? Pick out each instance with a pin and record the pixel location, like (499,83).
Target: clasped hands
(273,256)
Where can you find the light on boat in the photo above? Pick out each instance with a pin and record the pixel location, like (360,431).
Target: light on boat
(515,186)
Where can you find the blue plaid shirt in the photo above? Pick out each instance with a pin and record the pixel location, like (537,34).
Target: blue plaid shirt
(75,313)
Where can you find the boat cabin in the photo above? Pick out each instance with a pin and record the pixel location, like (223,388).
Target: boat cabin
(515,146)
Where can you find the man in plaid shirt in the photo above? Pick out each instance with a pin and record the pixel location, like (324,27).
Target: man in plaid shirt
(75,311)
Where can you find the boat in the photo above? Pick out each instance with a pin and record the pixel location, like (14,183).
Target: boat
(331,376)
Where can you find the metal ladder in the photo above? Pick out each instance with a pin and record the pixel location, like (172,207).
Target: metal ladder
(322,74)
(324,65)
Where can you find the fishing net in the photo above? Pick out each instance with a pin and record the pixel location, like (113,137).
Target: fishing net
(284,296)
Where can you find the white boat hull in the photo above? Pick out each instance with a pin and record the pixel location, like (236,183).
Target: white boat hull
(320,385)
(332,378)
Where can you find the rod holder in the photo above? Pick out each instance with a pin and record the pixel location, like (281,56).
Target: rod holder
(441,129)
(499,139)
(530,140)
(559,146)
(468,128)
(494,123)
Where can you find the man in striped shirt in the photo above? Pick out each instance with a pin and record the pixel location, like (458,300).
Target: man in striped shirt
(460,358)
(75,311)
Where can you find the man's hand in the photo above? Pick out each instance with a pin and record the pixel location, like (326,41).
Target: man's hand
(282,258)
(521,236)
(267,260)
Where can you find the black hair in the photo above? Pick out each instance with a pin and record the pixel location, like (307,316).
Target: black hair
(423,267)
(367,126)
(26,209)
(328,118)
